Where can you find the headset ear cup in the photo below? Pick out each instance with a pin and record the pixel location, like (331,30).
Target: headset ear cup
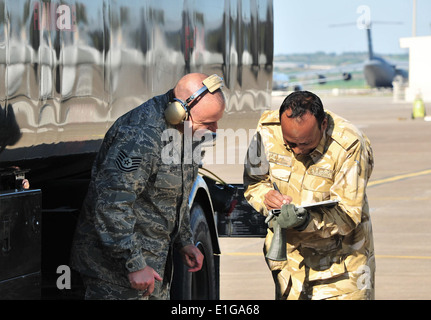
(175,113)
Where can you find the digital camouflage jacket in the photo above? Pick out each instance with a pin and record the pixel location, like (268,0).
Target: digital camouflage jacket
(137,202)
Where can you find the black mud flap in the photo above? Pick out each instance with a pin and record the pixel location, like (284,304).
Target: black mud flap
(243,221)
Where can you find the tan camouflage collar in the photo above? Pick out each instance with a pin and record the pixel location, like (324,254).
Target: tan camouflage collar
(321,147)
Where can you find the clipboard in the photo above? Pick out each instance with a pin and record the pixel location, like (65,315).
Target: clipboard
(326,203)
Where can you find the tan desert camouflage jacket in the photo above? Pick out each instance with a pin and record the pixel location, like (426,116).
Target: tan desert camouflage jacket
(338,239)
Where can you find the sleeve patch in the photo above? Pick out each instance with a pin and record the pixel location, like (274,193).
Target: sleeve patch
(127,164)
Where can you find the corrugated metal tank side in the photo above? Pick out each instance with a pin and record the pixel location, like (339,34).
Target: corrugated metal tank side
(71,68)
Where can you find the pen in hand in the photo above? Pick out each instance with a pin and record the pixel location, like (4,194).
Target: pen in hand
(271,214)
(278,190)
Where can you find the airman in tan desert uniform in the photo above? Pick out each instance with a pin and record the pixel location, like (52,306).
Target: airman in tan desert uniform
(314,155)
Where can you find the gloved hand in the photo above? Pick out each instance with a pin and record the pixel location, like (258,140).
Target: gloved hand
(293,217)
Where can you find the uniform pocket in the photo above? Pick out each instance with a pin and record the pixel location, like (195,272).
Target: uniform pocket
(318,185)
(323,257)
(335,270)
(280,166)
(169,177)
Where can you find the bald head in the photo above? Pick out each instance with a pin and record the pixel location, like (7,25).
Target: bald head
(188,85)
(206,109)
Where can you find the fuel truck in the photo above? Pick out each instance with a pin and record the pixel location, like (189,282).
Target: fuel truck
(68,70)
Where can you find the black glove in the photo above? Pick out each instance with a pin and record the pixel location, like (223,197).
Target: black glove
(292,217)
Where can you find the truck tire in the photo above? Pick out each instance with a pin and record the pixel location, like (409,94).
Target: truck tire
(201,285)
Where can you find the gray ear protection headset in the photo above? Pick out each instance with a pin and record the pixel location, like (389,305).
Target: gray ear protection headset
(178,111)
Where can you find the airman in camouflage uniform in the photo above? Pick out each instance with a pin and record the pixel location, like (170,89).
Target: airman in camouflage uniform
(332,257)
(136,209)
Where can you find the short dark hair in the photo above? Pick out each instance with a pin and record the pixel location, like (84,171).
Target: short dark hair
(301,102)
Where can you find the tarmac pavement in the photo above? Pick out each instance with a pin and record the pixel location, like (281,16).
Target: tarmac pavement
(399,194)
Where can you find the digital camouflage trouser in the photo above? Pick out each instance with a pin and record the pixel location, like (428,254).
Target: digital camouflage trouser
(97,289)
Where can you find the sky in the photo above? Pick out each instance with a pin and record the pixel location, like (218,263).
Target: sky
(305,26)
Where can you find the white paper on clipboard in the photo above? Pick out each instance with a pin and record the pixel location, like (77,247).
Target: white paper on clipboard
(326,203)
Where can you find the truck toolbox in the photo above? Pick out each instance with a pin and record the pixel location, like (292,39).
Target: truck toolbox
(20,241)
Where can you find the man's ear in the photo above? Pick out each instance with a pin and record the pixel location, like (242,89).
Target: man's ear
(324,124)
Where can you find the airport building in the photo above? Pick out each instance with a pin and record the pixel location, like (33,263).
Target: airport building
(419,67)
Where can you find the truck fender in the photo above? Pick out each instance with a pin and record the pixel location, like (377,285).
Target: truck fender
(200,194)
